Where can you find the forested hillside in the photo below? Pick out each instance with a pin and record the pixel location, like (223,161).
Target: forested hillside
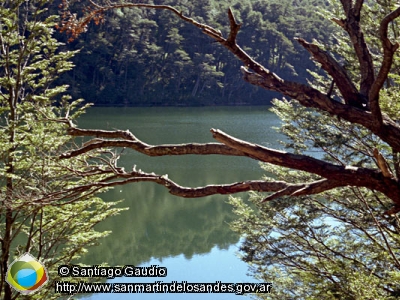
(147,57)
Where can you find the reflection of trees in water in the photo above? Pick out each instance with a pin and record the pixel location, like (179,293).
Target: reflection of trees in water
(160,225)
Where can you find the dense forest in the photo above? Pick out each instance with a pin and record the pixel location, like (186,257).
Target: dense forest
(140,57)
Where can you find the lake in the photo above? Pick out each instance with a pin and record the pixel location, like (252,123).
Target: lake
(190,237)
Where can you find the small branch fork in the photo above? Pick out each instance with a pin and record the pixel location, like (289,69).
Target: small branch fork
(369,86)
(361,107)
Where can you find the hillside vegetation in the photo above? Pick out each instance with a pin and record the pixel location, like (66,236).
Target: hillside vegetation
(151,58)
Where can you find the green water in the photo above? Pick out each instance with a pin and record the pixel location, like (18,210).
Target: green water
(191,237)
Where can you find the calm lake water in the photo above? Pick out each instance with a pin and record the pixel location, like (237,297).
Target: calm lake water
(191,237)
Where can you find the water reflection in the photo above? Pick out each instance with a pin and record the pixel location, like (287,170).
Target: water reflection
(158,225)
(162,227)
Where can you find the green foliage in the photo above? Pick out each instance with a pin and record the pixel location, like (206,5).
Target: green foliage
(150,57)
(338,244)
(326,247)
(39,213)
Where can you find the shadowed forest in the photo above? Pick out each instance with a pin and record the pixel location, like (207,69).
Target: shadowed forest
(142,57)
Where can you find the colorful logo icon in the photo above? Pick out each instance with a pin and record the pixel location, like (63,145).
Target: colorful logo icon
(26,274)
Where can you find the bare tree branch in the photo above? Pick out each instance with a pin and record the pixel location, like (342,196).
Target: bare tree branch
(382,164)
(352,25)
(120,177)
(310,97)
(100,10)
(128,140)
(358,6)
(388,52)
(294,161)
(337,175)
(229,146)
(234,26)
(295,190)
(343,82)
(346,5)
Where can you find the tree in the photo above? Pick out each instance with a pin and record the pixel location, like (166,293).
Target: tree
(356,105)
(48,206)
(338,242)
(335,245)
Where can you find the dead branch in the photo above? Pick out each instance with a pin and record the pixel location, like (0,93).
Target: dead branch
(128,140)
(382,164)
(336,175)
(295,190)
